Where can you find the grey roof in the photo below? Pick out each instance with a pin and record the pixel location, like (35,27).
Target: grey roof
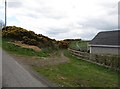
(107,38)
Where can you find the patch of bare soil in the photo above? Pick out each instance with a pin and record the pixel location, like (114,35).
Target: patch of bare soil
(53,59)
(19,43)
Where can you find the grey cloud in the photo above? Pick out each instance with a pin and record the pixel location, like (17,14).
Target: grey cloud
(55,16)
(17,4)
(99,24)
(111,7)
(113,12)
(56,31)
(32,15)
(48,12)
(1,7)
(109,4)
(44,11)
(39,15)
(88,36)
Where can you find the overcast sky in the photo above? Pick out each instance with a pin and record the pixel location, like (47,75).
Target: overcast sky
(61,19)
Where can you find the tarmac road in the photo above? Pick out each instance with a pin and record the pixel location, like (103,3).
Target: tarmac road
(14,75)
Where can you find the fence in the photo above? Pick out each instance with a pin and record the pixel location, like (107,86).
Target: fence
(109,61)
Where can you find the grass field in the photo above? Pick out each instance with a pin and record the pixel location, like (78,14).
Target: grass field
(78,73)
(79,45)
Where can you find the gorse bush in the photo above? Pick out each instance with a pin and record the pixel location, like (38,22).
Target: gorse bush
(63,44)
(29,41)
(29,37)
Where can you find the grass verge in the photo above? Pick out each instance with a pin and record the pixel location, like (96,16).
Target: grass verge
(0,42)
(0,38)
(79,73)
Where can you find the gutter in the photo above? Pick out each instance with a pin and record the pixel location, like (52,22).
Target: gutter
(113,46)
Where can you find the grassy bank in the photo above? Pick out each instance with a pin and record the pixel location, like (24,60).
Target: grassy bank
(14,49)
(78,73)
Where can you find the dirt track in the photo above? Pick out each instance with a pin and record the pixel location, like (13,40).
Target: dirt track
(53,59)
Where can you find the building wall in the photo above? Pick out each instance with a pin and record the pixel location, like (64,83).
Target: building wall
(104,50)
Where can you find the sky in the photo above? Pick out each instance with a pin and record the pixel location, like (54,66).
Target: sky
(62,19)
